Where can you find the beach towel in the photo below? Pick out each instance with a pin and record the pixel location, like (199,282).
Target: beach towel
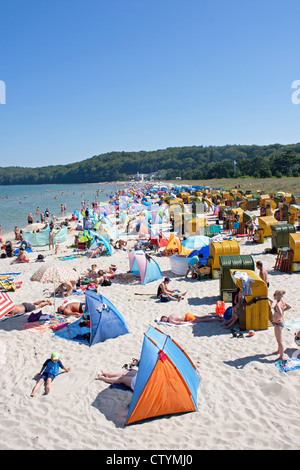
(292,325)
(292,363)
(52,323)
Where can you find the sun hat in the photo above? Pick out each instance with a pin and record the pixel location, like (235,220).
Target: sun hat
(55,356)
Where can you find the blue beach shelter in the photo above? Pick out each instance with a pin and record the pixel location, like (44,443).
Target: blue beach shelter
(167,380)
(204,251)
(105,322)
(143,266)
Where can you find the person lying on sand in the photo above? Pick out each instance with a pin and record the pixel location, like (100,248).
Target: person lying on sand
(127,378)
(94,253)
(181,318)
(71,308)
(26,307)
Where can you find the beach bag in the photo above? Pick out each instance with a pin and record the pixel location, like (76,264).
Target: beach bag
(106,282)
(34,316)
(220,307)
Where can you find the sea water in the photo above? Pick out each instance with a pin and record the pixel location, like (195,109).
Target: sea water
(16,202)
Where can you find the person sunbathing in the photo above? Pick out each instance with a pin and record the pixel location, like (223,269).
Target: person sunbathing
(71,308)
(127,378)
(181,318)
(96,251)
(27,307)
(92,273)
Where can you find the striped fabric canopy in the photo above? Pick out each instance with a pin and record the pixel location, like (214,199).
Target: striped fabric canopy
(6,304)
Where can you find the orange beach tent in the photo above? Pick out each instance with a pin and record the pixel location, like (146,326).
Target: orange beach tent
(167,381)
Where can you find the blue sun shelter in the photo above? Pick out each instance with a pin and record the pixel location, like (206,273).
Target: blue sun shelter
(167,380)
(105,322)
(143,266)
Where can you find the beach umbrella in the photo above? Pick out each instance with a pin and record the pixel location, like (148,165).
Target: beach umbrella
(33,227)
(6,304)
(55,275)
(197,241)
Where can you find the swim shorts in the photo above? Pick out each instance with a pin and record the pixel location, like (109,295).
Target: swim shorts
(190,317)
(81,305)
(28,307)
(47,375)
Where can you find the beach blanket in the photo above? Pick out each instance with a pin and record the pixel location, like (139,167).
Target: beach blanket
(74,332)
(67,257)
(289,364)
(54,324)
(293,325)
(8,276)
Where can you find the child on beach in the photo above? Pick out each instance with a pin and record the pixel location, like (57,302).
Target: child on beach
(48,372)
(278,320)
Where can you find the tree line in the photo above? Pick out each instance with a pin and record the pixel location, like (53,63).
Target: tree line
(189,163)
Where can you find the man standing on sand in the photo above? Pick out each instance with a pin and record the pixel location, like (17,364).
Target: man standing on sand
(263,273)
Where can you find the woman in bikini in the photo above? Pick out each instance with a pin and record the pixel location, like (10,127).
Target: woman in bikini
(51,238)
(278,320)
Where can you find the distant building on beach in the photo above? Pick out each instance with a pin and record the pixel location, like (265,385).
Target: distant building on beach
(148,176)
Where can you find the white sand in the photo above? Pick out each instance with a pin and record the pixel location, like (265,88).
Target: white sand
(244,402)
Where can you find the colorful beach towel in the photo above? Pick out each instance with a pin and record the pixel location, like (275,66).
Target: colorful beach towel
(292,363)
(53,324)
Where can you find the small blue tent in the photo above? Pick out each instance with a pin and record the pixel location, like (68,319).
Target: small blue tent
(105,322)
(99,239)
(167,381)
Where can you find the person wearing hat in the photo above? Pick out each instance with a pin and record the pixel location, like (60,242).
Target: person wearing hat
(48,372)
(165,294)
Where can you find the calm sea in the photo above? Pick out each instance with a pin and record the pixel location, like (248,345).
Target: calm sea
(16,202)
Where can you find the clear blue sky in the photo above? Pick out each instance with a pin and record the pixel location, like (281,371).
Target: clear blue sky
(86,77)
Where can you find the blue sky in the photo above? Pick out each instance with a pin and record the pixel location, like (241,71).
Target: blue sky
(88,77)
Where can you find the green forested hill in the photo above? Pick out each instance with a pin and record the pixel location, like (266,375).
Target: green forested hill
(187,162)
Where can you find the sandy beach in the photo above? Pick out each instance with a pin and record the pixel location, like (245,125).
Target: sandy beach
(244,401)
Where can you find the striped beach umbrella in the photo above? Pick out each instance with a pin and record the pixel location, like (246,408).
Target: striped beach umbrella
(6,304)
